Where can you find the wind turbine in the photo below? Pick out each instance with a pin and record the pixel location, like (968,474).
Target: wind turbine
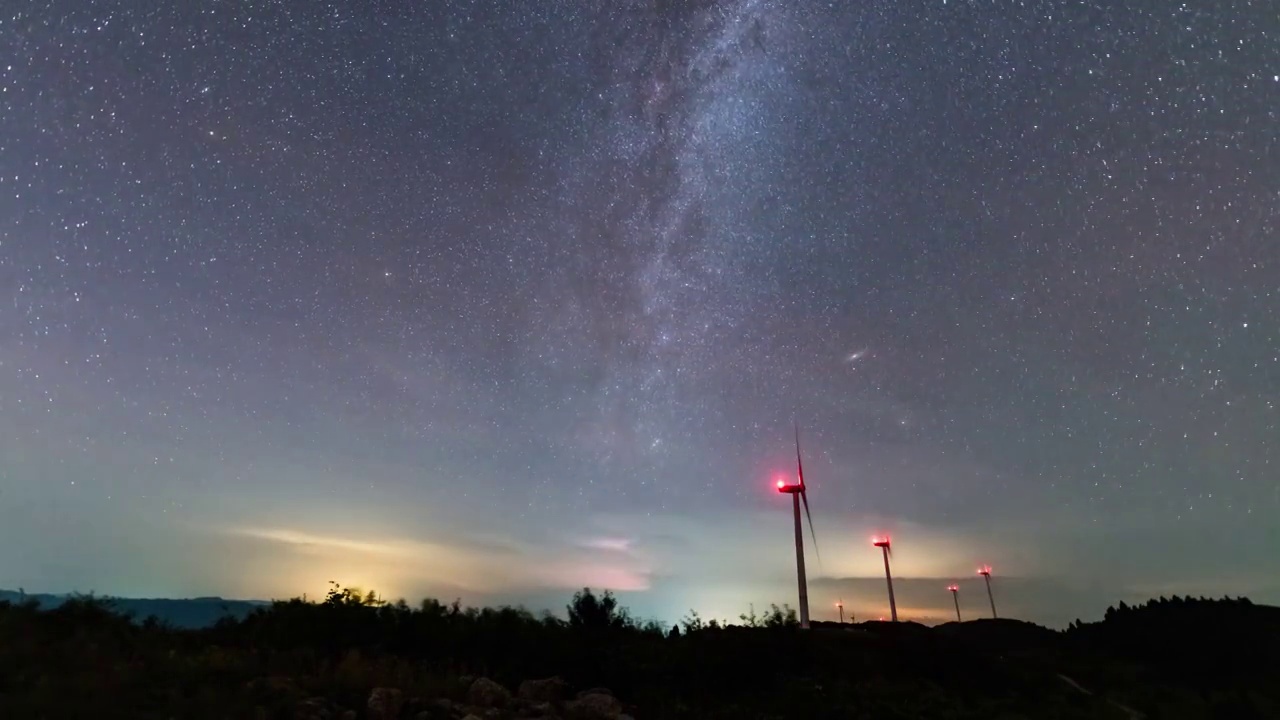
(985,572)
(883,544)
(955,596)
(799,494)
(840,607)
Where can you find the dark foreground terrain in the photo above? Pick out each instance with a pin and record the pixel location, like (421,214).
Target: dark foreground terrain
(351,657)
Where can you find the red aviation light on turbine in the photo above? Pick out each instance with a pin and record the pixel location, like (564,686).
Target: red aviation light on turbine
(953,588)
(788,488)
(880,541)
(984,570)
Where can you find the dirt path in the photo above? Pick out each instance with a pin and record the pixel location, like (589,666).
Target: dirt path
(1133,714)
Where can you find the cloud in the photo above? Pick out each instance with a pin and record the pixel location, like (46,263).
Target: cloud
(611,544)
(479,569)
(308,541)
(661,565)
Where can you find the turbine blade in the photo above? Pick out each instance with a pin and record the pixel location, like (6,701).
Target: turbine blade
(799,465)
(804,498)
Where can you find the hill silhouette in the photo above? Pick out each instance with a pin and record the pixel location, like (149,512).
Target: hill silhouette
(352,656)
(190,613)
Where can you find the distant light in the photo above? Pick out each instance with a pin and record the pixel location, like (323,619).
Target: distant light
(782,484)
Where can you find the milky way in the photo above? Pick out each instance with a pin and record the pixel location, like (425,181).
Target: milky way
(502,299)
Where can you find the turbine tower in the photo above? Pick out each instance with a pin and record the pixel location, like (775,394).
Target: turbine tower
(985,572)
(799,494)
(884,545)
(955,597)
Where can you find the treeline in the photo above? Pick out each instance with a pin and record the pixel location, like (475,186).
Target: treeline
(1225,607)
(82,655)
(597,643)
(1184,657)
(1203,637)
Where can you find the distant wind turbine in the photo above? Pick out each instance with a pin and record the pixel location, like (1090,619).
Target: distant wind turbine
(985,572)
(884,545)
(955,596)
(799,494)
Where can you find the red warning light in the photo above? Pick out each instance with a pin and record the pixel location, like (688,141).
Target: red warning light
(782,484)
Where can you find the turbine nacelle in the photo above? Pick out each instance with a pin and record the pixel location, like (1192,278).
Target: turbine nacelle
(953,588)
(880,542)
(985,571)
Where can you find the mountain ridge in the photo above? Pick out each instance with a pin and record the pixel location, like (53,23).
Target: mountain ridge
(186,613)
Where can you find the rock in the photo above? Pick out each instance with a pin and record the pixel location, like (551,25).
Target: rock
(435,709)
(594,706)
(596,691)
(313,709)
(439,708)
(277,686)
(443,706)
(486,693)
(385,703)
(552,689)
(535,709)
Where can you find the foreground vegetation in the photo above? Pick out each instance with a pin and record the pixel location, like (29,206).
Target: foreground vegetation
(351,656)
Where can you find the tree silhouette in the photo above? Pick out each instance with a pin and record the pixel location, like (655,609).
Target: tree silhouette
(692,622)
(589,612)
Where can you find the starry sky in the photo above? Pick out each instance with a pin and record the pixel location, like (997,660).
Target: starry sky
(495,300)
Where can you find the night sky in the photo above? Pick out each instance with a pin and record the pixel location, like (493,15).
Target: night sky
(501,299)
